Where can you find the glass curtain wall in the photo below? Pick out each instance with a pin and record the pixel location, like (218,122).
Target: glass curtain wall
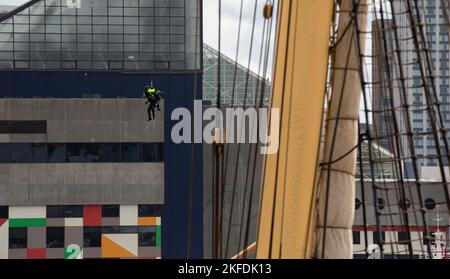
(246,86)
(102,35)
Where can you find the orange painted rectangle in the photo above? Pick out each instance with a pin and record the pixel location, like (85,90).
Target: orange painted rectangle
(147,221)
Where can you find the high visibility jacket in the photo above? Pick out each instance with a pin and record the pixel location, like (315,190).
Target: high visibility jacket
(150,92)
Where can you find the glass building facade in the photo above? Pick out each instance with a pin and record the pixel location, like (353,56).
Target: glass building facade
(437,35)
(381,97)
(81,152)
(102,35)
(246,87)
(436,32)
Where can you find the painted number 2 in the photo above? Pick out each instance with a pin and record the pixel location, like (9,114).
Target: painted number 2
(73,252)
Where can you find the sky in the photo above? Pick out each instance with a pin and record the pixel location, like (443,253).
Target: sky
(12,2)
(230,26)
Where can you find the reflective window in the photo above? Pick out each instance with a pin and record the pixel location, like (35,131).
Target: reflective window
(403,238)
(111,152)
(110,211)
(92,236)
(17,238)
(55,211)
(376,238)
(356,237)
(52,22)
(55,237)
(430,204)
(128,229)
(80,152)
(74,152)
(4,212)
(130,152)
(73,211)
(92,152)
(147,229)
(158,210)
(146,210)
(35,152)
(147,239)
(149,210)
(110,229)
(56,152)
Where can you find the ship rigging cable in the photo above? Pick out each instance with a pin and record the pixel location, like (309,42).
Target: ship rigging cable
(394,78)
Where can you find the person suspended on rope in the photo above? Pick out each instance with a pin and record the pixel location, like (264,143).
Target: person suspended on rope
(149,94)
(153,97)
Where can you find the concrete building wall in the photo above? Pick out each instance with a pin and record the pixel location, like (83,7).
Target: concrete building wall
(84,120)
(82,183)
(432,195)
(434,173)
(393,224)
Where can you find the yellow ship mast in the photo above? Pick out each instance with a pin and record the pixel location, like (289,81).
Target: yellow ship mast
(291,224)
(287,203)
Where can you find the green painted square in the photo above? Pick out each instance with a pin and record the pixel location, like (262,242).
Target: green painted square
(158,236)
(27,222)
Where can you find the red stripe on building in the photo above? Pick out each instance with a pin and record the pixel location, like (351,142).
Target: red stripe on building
(36,253)
(399,228)
(92,215)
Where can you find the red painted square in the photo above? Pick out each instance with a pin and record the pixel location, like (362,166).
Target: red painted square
(36,253)
(2,221)
(92,215)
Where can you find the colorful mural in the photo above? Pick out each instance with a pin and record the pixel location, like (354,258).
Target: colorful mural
(80,232)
